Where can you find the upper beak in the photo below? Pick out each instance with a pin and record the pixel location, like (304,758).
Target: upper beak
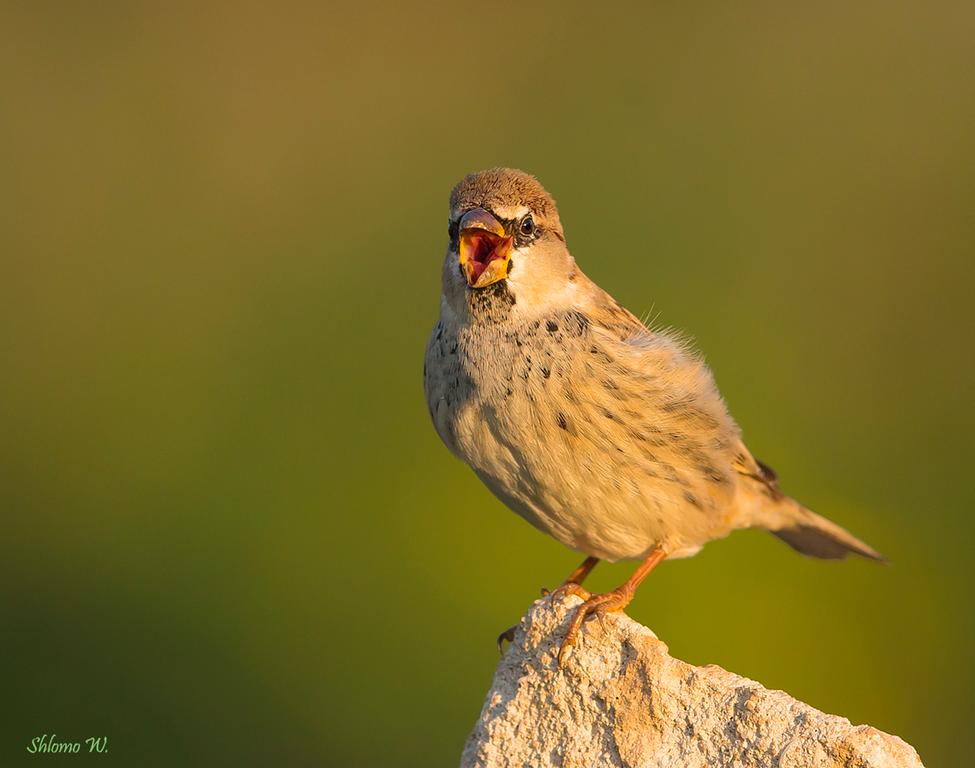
(485,251)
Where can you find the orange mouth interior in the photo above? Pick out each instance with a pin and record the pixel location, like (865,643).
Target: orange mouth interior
(479,248)
(482,249)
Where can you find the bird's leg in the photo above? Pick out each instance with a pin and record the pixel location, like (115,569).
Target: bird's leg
(609,601)
(573,584)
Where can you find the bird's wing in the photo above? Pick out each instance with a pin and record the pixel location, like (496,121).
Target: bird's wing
(671,392)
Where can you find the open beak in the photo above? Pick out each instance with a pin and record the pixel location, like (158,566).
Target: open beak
(485,250)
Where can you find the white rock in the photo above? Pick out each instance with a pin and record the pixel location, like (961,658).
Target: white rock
(621,700)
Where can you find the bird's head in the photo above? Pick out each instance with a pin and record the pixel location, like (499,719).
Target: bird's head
(504,228)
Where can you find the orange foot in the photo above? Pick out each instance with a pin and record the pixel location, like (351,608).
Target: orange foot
(560,593)
(570,588)
(599,605)
(616,600)
(573,584)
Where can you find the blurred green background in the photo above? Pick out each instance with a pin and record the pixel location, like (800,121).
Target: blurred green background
(231,536)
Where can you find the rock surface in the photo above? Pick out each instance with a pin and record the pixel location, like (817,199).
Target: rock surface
(622,700)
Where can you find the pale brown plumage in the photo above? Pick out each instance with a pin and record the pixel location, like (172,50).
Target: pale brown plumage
(610,436)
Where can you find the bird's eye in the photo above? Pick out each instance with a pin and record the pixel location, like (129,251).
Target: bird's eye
(527,225)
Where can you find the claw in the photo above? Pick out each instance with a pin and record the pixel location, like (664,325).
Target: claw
(570,588)
(509,635)
(606,602)
(599,605)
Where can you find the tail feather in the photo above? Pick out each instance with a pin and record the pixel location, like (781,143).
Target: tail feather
(764,505)
(814,535)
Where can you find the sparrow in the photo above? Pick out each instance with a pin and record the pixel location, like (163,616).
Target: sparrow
(607,434)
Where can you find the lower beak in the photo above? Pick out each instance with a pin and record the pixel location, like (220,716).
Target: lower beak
(485,250)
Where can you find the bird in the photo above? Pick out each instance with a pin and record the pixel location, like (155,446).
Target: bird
(607,434)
